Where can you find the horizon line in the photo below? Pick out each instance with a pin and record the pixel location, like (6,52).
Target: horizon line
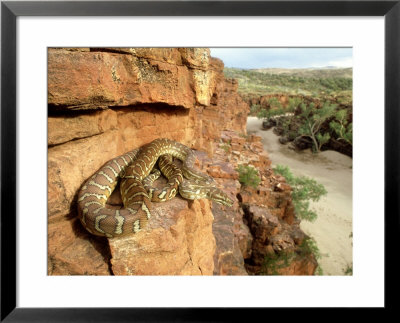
(293,68)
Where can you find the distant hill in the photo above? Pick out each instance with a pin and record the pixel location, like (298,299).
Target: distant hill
(326,72)
(323,83)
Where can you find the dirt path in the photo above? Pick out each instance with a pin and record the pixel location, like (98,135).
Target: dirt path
(333,228)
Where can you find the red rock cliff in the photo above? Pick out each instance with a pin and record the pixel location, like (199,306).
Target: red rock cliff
(105,102)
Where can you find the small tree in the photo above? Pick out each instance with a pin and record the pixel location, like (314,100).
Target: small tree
(254,109)
(284,123)
(262,114)
(274,103)
(248,176)
(266,114)
(312,121)
(304,190)
(342,127)
(322,139)
(293,104)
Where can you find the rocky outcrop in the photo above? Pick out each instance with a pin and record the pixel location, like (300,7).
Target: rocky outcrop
(228,228)
(263,101)
(266,226)
(177,241)
(102,78)
(103,102)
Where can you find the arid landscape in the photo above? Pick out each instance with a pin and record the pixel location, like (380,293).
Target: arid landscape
(281,89)
(332,229)
(239,125)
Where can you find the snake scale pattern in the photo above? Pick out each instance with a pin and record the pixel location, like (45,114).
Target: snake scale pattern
(136,171)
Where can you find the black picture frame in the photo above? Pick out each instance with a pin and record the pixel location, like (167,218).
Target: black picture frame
(10,10)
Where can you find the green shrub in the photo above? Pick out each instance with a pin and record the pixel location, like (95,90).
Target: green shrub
(342,127)
(284,123)
(309,246)
(248,176)
(226,147)
(276,261)
(266,114)
(294,103)
(262,114)
(323,83)
(273,262)
(254,109)
(274,103)
(348,271)
(312,120)
(304,190)
(322,139)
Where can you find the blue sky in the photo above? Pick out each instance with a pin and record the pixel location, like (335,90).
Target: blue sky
(247,58)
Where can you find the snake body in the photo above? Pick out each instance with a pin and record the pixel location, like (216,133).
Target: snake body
(171,172)
(134,169)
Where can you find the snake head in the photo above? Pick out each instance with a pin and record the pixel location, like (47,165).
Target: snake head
(220,197)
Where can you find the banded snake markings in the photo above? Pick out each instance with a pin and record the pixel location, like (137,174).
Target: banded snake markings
(135,170)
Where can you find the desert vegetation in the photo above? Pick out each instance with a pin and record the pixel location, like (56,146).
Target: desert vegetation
(309,126)
(311,108)
(327,84)
(276,261)
(248,176)
(304,190)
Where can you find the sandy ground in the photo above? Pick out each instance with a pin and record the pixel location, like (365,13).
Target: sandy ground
(333,228)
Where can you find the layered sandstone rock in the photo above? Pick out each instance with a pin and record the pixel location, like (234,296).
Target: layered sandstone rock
(228,227)
(177,241)
(268,228)
(101,78)
(74,251)
(103,102)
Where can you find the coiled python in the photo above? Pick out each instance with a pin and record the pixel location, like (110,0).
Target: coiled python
(135,171)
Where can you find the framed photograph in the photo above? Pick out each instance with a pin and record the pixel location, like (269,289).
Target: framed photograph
(53,54)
